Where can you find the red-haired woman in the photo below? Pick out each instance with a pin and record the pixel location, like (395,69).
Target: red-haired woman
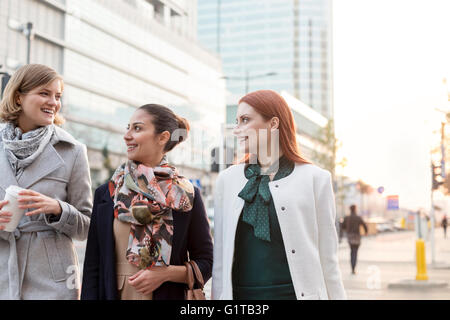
(274,219)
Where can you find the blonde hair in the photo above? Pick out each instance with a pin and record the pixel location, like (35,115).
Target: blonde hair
(24,80)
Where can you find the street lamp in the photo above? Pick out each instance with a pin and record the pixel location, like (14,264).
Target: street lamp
(26,29)
(247,78)
(4,76)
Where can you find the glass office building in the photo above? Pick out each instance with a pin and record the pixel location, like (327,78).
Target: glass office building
(118,55)
(257,38)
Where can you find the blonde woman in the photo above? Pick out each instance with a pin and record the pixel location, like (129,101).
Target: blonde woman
(38,258)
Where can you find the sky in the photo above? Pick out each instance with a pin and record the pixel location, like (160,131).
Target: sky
(390,57)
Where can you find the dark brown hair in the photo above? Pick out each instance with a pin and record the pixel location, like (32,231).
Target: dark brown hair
(165,120)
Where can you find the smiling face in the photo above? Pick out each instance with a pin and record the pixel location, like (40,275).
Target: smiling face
(39,106)
(255,134)
(144,145)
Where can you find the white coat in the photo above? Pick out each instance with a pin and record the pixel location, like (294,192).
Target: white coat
(305,207)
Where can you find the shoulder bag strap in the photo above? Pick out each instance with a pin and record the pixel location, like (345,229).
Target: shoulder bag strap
(198,273)
(190,275)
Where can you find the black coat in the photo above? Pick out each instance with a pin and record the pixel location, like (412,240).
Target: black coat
(191,234)
(352,223)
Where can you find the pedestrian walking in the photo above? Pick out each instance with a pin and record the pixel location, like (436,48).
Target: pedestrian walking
(444,224)
(351,225)
(274,215)
(147,220)
(38,257)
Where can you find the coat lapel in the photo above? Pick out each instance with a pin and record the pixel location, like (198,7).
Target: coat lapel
(8,177)
(105,230)
(106,215)
(238,205)
(46,163)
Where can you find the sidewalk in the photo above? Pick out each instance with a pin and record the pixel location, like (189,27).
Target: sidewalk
(382,259)
(390,257)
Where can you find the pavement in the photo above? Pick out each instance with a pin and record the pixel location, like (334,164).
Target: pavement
(382,259)
(389,258)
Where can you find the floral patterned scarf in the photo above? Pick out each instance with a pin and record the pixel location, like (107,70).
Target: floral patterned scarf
(145,198)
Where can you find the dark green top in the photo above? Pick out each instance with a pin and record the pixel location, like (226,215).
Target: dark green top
(260,267)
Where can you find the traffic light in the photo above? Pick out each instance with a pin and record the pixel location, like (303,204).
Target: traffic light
(215,160)
(435,183)
(5,79)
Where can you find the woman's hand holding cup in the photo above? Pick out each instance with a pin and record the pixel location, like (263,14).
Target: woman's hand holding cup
(29,199)
(18,200)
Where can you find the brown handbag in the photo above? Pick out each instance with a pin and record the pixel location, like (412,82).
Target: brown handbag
(194,276)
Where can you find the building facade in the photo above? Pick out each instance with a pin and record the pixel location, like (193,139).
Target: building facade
(273,44)
(116,56)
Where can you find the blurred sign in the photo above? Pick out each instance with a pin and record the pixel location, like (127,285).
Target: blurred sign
(392,202)
(196,183)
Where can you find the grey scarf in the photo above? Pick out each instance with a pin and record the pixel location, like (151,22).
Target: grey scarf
(23,148)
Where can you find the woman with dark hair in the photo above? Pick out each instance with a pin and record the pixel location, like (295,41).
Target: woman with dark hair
(274,218)
(352,225)
(147,219)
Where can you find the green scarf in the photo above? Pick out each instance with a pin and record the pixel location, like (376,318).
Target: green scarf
(257,196)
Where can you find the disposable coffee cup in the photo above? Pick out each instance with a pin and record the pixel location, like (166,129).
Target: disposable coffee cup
(12,195)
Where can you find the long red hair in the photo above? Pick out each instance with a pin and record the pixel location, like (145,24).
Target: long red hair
(270,104)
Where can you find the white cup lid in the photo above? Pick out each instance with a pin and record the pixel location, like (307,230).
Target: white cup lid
(14,190)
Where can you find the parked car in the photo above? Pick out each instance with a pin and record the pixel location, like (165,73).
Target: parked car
(385,227)
(398,225)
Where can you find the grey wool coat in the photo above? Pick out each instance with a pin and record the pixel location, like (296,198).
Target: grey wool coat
(38,260)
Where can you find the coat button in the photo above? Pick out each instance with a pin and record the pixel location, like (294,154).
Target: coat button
(276,186)
(283,208)
(303,294)
(293,251)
